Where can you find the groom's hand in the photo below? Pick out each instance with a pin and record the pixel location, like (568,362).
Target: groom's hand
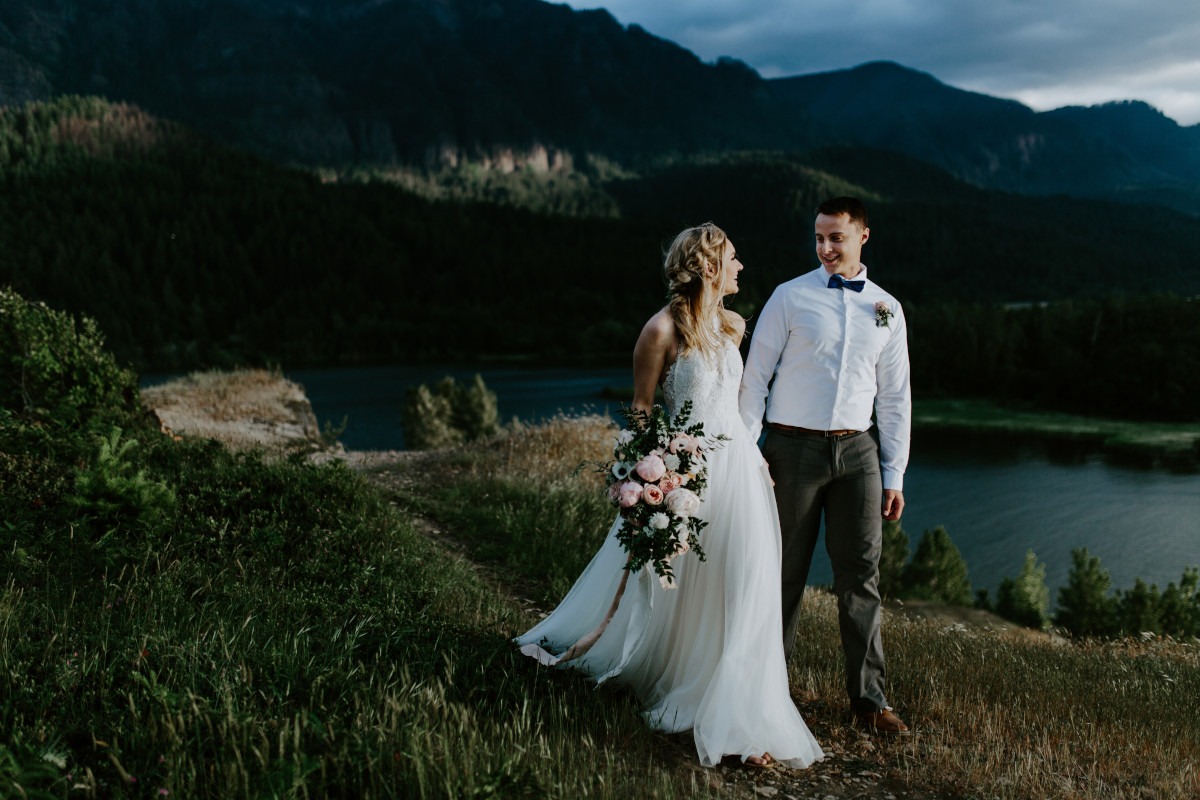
(893,504)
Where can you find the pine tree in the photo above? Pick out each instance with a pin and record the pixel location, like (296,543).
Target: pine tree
(1140,609)
(1026,600)
(1084,607)
(1181,606)
(892,559)
(937,571)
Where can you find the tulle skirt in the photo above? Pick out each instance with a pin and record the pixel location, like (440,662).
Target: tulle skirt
(707,655)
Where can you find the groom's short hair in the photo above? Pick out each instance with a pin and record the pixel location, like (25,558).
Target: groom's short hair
(845,205)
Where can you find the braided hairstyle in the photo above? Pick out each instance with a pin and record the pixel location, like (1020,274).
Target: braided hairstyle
(696,283)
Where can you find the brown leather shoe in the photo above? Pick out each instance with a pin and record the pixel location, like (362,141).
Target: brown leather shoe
(882,722)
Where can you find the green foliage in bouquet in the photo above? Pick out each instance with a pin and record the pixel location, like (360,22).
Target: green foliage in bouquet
(657,478)
(449,414)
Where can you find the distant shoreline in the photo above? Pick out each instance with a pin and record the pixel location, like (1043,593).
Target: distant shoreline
(1176,442)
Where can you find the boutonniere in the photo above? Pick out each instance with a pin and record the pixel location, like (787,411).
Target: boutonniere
(883,314)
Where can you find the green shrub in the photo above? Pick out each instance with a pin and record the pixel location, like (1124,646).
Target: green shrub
(449,414)
(937,571)
(54,367)
(116,500)
(1026,600)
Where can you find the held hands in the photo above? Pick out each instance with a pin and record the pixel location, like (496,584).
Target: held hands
(893,504)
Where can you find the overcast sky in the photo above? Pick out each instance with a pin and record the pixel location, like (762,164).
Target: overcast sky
(1044,53)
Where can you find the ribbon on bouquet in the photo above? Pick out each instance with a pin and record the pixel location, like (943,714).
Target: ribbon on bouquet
(583,645)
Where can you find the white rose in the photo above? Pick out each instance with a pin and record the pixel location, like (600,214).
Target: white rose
(672,461)
(683,503)
(659,521)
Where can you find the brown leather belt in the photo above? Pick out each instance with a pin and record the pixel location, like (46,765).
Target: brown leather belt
(779,426)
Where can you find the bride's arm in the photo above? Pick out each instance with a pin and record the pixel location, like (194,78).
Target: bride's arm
(653,353)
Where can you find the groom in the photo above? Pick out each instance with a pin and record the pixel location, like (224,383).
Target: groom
(831,346)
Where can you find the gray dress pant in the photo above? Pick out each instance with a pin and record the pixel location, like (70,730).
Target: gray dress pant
(840,477)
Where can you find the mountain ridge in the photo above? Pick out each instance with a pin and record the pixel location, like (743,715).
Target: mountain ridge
(509,82)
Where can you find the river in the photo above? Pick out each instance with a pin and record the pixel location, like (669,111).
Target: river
(996,496)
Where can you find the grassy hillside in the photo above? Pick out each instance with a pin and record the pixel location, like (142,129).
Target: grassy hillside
(180,620)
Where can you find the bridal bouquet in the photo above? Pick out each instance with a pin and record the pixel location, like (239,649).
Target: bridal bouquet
(657,478)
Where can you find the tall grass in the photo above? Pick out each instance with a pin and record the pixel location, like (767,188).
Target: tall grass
(283,632)
(994,715)
(523,504)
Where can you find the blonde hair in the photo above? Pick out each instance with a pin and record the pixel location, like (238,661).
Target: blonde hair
(696,283)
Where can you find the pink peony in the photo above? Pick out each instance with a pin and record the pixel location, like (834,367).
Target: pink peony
(614,491)
(630,494)
(670,482)
(652,494)
(682,441)
(651,468)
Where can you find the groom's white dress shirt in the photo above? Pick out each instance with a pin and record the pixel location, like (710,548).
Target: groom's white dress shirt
(831,363)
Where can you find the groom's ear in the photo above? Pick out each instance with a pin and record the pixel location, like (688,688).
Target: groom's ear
(866,234)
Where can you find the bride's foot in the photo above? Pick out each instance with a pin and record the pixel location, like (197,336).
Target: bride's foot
(764,761)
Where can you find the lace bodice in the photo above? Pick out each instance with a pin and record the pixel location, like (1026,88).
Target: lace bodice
(710,383)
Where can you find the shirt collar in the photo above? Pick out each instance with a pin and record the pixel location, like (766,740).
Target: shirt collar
(823,274)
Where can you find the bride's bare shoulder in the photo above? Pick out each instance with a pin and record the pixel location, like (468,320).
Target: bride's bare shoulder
(739,327)
(660,327)
(658,342)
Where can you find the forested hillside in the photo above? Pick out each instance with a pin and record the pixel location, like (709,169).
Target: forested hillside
(350,84)
(1118,151)
(189,253)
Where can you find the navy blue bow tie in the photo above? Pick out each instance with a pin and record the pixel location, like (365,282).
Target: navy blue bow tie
(838,282)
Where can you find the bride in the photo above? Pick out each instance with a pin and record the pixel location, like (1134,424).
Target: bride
(705,656)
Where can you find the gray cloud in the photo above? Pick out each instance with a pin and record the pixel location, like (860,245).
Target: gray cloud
(1045,53)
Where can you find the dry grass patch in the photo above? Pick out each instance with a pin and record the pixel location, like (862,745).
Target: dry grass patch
(244,409)
(995,714)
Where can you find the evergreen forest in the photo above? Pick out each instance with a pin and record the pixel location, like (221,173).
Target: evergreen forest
(189,254)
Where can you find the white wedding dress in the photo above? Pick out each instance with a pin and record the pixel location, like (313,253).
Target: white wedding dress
(708,655)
